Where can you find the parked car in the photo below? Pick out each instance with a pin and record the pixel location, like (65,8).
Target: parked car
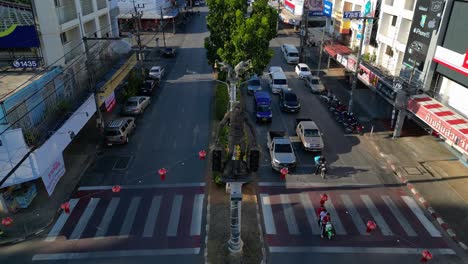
(314,84)
(309,134)
(262,106)
(169,52)
(281,150)
(118,130)
(157,72)
(136,105)
(253,85)
(290,53)
(277,79)
(148,87)
(289,101)
(302,70)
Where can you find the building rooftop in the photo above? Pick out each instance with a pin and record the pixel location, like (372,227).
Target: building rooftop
(11,81)
(18,14)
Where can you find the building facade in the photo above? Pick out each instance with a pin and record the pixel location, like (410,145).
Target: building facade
(64,23)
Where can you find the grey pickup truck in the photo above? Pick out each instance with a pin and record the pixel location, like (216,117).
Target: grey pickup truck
(309,134)
(281,150)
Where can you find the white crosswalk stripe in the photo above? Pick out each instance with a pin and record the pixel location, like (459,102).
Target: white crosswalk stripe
(106,220)
(175,215)
(310,213)
(289,214)
(152,216)
(377,216)
(195,227)
(399,216)
(421,217)
(130,217)
(80,226)
(55,231)
(339,228)
(361,227)
(270,228)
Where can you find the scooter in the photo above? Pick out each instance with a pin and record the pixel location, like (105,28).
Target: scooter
(323,170)
(329,231)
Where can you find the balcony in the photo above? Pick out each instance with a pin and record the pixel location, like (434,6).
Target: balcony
(101,4)
(66,13)
(72,49)
(86,7)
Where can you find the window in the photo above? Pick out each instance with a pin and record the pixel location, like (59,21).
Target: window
(394,19)
(389,51)
(389,2)
(63,37)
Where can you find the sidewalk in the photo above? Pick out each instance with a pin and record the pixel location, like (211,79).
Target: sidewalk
(43,210)
(424,163)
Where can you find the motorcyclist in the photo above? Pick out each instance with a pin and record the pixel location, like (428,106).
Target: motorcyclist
(319,162)
(320,210)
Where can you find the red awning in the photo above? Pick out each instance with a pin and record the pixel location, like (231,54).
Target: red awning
(450,125)
(334,49)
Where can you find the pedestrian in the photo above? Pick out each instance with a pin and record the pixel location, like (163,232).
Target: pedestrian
(319,212)
(322,215)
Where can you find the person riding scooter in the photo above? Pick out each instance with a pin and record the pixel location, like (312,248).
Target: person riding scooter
(324,220)
(319,162)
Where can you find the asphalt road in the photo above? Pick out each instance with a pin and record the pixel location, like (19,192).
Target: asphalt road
(149,219)
(359,186)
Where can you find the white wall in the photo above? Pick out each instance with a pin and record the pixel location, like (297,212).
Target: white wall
(52,48)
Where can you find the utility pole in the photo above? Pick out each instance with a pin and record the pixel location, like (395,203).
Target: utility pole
(400,104)
(321,49)
(278,21)
(162,26)
(137,21)
(304,31)
(358,62)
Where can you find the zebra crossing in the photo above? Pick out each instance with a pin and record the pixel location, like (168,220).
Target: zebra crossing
(151,218)
(289,217)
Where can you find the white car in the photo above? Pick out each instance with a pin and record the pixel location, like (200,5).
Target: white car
(314,84)
(302,70)
(156,72)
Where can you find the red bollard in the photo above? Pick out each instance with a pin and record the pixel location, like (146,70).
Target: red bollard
(202,154)
(284,172)
(162,173)
(65,207)
(7,221)
(323,198)
(426,255)
(371,225)
(116,188)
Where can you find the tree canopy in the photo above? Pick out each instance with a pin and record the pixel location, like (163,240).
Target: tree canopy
(237,36)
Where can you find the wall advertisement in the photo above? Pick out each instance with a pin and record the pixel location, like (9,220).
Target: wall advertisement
(52,175)
(426,19)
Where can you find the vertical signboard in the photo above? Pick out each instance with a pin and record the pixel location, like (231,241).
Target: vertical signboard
(327,8)
(368,11)
(426,19)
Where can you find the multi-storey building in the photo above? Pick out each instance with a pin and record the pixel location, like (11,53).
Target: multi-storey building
(63,24)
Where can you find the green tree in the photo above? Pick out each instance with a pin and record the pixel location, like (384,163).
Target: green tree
(234,38)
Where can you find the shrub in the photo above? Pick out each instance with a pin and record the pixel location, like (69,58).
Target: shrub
(217,178)
(221,101)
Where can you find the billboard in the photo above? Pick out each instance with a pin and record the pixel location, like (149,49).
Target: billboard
(19,36)
(315,7)
(294,6)
(426,19)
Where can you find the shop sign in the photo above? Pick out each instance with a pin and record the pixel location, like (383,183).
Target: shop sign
(52,175)
(368,77)
(430,117)
(327,8)
(351,65)
(25,63)
(385,90)
(289,6)
(426,19)
(110,102)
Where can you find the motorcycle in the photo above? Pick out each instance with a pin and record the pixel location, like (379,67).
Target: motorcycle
(329,231)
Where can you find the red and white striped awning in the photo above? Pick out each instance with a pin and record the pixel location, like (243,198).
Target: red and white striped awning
(452,126)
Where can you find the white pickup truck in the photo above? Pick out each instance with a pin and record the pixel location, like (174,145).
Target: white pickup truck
(309,134)
(281,150)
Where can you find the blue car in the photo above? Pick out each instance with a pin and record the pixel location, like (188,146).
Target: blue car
(262,102)
(254,85)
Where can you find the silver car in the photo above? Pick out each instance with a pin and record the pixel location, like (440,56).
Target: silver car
(136,105)
(253,85)
(314,84)
(310,135)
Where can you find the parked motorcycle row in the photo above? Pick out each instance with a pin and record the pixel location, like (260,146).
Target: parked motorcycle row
(340,111)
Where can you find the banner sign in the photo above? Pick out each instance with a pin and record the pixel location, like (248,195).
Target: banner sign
(352,14)
(25,63)
(53,174)
(289,6)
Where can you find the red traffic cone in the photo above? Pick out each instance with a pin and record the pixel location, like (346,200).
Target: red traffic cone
(284,172)
(116,188)
(65,207)
(162,173)
(426,255)
(7,221)
(371,225)
(202,154)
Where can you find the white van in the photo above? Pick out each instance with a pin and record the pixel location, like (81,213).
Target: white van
(290,53)
(278,80)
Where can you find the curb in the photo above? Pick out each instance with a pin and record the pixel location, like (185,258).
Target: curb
(423,201)
(56,214)
(260,230)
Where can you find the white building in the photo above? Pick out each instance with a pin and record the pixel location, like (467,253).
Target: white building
(63,23)
(395,21)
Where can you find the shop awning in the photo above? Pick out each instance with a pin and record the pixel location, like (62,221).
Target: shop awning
(450,125)
(334,49)
(289,18)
